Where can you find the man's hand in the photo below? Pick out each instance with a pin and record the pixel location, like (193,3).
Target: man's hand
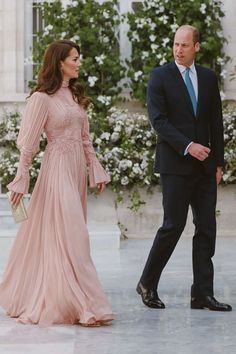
(200,152)
(218,174)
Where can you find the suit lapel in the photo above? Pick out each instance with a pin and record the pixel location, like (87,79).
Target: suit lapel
(182,89)
(200,89)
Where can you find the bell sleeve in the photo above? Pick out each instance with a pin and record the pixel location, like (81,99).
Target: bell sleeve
(32,124)
(97,173)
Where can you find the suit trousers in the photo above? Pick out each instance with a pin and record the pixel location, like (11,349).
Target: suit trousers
(197,190)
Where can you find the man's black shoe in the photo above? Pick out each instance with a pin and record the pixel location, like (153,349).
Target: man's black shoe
(150,297)
(210,303)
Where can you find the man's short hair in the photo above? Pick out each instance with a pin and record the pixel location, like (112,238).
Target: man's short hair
(194,30)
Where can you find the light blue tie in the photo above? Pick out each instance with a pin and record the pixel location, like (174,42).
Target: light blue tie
(191,91)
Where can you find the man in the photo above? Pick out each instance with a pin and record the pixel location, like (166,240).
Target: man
(184,108)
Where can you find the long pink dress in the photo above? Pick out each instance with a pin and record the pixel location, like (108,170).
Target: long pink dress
(50,277)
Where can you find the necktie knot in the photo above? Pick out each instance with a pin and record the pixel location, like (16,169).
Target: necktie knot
(190,89)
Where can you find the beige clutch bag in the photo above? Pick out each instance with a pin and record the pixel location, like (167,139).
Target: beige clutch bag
(19,213)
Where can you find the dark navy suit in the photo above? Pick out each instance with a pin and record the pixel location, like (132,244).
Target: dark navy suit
(185,180)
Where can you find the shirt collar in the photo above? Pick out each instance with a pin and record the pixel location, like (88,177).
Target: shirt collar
(182,68)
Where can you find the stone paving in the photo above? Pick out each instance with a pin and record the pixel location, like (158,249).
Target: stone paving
(137,329)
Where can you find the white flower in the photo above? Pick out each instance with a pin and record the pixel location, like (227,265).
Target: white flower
(104,99)
(203,8)
(135,36)
(152,26)
(106,14)
(100,59)
(144,163)
(223,73)
(149,143)
(144,55)
(48,28)
(105,136)
(163,61)
(98,141)
(76,38)
(117,128)
(129,130)
(124,181)
(152,38)
(220,61)
(105,39)
(136,169)
(92,80)
(164,19)
(114,137)
(124,164)
(108,155)
(165,41)
(174,27)
(137,75)
(74,3)
(154,47)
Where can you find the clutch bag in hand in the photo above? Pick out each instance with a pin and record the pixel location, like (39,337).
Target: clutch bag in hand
(18,212)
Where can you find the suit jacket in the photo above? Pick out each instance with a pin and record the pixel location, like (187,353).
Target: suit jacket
(171,114)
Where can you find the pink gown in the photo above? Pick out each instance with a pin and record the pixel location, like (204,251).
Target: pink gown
(50,277)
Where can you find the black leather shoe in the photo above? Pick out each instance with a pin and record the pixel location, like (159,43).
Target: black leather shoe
(210,303)
(150,297)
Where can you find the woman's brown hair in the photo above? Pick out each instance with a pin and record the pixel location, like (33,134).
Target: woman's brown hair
(50,76)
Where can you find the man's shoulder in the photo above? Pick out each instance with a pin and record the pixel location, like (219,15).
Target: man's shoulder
(161,71)
(205,71)
(164,67)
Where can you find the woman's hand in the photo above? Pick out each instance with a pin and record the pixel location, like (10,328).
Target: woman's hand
(101,187)
(15,198)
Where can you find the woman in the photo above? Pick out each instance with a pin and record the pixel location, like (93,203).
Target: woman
(50,277)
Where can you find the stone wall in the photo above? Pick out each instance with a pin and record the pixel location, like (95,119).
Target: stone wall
(145,222)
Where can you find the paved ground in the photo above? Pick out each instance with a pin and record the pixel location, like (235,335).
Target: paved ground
(137,329)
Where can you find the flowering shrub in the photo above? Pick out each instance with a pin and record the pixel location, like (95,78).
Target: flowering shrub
(126,148)
(94,26)
(152,28)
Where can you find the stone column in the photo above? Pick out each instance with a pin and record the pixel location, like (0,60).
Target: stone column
(229,29)
(12,50)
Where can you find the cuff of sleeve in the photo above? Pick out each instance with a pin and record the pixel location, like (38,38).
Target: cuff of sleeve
(20,184)
(186,150)
(97,174)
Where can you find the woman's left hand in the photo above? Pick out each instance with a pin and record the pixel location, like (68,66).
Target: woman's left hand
(101,187)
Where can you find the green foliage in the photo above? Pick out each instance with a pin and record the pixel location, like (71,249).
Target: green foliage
(152,28)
